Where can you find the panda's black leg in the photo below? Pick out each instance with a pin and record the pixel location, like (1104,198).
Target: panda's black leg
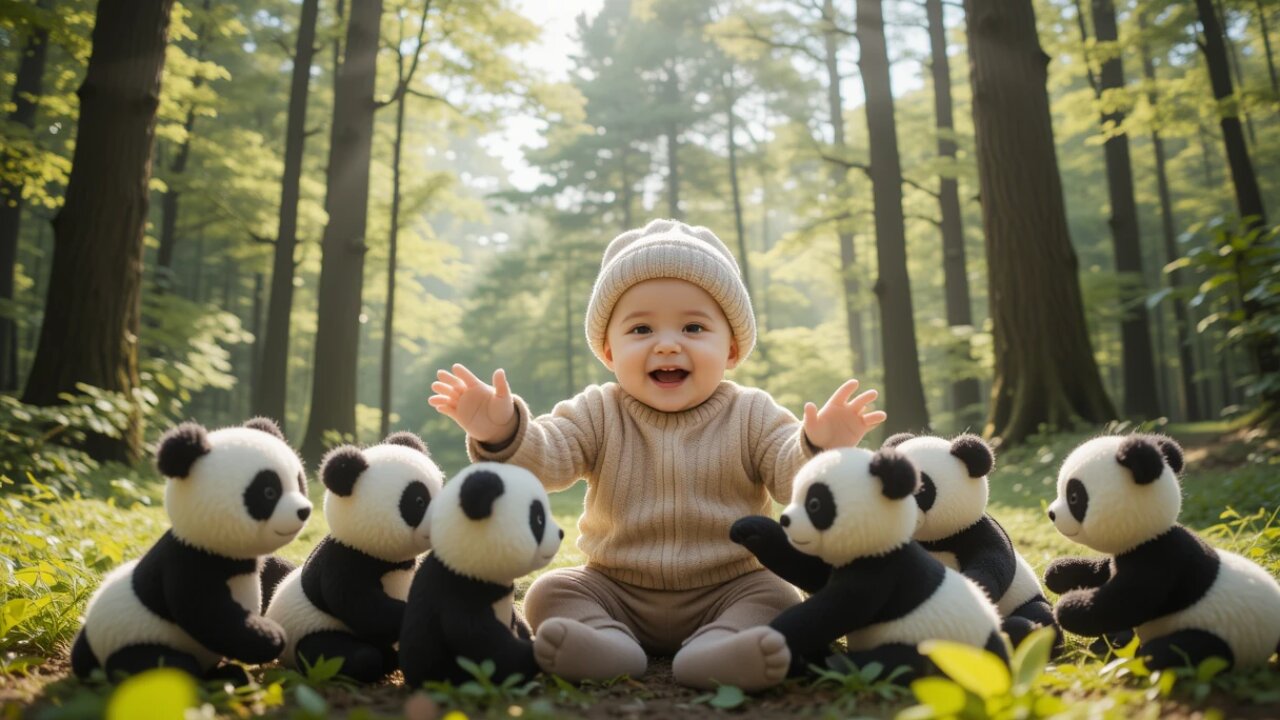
(1031,615)
(390,660)
(83,661)
(996,646)
(230,672)
(1184,647)
(1103,646)
(890,657)
(137,658)
(361,661)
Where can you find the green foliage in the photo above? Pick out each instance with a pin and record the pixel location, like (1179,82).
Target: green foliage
(160,693)
(855,684)
(481,692)
(726,697)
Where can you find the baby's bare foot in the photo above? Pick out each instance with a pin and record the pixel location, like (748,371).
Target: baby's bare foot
(753,659)
(575,651)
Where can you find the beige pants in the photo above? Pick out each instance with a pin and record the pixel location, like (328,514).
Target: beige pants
(661,621)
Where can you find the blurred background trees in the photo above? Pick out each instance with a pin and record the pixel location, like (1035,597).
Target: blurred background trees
(1007,217)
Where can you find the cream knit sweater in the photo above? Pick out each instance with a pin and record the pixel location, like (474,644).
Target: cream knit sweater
(662,488)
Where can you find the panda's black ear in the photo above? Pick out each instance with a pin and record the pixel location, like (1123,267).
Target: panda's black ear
(180,448)
(1171,450)
(898,476)
(479,490)
(975,453)
(1142,458)
(894,441)
(266,425)
(408,440)
(341,468)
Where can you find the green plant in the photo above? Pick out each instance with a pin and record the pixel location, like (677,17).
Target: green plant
(726,697)
(481,692)
(854,683)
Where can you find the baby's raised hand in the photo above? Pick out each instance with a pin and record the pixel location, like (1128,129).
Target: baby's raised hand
(843,420)
(486,412)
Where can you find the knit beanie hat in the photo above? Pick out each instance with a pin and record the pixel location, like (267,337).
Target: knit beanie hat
(670,249)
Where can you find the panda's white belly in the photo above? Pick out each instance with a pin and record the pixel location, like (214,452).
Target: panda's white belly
(958,610)
(115,618)
(1024,587)
(1242,607)
(504,609)
(299,618)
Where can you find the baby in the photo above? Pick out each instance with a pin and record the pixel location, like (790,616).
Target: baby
(672,454)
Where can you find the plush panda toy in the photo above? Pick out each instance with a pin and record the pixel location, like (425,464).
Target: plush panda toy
(855,512)
(347,600)
(955,528)
(491,524)
(1186,600)
(233,496)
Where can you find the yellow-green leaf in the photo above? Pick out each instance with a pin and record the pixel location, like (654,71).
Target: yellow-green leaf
(1031,657)
(976,670)
(157,694)
(943,696)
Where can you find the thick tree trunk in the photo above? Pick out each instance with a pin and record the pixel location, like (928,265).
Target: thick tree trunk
(1141,400)
(91,335)
(388,322)
(1045,372)
(965,396)
(333,390)
(1186,375)
(849,270)
(903,390)
(1233,62)
(27,89)
(270,392)
(1248,198)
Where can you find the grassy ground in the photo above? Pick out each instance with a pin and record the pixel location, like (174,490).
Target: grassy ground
(53,549)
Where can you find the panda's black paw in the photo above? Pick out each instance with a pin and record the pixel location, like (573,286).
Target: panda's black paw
(1073,573)
(756,532)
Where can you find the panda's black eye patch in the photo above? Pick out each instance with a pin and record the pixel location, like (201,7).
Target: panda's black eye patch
(413,503)
(263,493)
(927,493)
(820,506)
(537,520)
(1077,499)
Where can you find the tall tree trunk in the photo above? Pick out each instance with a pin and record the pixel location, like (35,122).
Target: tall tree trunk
(271,390)
(1191,400)
(1141,400)
(903,390)
(255,354)
(964,392)
(671,93)
(1248,198)
(91,335)
(333,391)
(27,89)
(731,94)
(1045,371)
(388,322)
(1266,45)
(1233,62)
(849,270)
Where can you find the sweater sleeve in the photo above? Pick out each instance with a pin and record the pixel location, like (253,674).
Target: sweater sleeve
(778,445)
(558,447)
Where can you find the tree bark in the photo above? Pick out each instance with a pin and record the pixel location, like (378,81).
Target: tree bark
(1190,398)
(333,391)
(271,390)
(849,278)
(388,322)
(965,396)
(28,87)
(1141,399)
(1045,372)
(1233,62)
(91,335)
(903,390)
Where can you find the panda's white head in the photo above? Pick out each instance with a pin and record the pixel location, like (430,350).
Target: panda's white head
(1117,492)
(377,498)
(851,503)
(953,481)
(493,522)
(238,492)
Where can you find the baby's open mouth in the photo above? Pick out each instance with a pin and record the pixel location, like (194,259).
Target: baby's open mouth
(669,376)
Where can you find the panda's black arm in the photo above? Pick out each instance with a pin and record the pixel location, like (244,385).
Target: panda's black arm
(836,610)
(1124,602)
(202,605)
(351,583)
(766,539)
(985,555)
(1071,573)
(477,635)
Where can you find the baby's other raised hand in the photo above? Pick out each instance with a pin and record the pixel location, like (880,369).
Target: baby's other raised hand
(486,412)
(843,420)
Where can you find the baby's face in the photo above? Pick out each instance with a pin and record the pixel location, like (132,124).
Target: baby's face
(668,343)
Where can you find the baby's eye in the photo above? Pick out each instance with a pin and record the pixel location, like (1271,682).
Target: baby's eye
(694,328)
(640,330)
